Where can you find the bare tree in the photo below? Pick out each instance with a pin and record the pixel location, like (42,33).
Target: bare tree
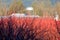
(16,7)
(3,9)
(58,8)
(43,7)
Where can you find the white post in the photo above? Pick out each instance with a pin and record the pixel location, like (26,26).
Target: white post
(56,17)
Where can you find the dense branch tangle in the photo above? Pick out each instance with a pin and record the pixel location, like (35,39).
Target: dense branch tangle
(28,28)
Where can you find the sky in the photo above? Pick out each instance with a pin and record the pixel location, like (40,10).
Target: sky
(26,2)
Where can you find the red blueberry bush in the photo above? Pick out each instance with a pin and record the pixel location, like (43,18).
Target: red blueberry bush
(29,28)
